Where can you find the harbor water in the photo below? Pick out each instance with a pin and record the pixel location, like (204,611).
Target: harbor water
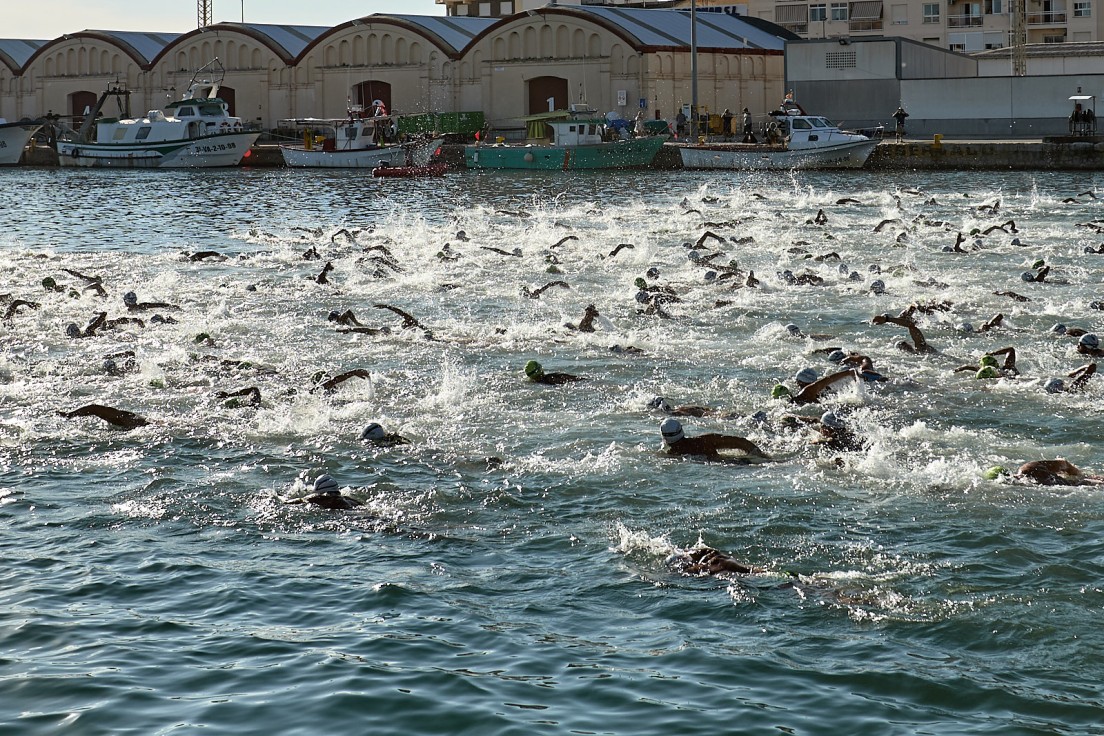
(508,573)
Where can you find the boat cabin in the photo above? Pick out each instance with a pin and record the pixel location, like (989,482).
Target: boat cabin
(352,133)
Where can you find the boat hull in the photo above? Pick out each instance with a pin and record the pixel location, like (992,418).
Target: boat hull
(741,156)
(223,149)
(635,153)
(14,138)
(301,157)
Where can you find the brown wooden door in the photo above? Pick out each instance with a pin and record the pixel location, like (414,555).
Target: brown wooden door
(541,88)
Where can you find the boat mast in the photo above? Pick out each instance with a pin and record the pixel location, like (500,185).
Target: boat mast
(693,70)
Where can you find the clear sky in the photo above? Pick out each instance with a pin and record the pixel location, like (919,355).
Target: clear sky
(52,18)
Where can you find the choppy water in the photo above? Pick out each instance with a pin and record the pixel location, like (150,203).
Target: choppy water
(154,583)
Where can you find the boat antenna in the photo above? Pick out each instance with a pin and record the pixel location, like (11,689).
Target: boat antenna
(693,70)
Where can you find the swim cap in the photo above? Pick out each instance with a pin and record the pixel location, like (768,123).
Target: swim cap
(642,297)
(659,403)
(332,316)
(1038,264)
(130,298)
(1016,241)
(1089,340)
(793,329)
(788,276)
(694,256)
(843,269)
(837,356)
(1027,276)
(854,276)
(806,376)
(373,432)
(326,484)
(987,372)
(72,330)
(966,327)
(1054,386)
(1058,329)
(533,369)
(110,366)
(652,273)
(831,421)
(995,472)
(49,283)
(710,275)
(877,286)
(640,283)
(202,337)
(780,391)
(988,360)
(759,417)
(671,429)
(874,268)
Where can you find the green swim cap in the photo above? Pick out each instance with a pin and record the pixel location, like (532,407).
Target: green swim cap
(1038,264)
(995,472)
(640,283)
(49,283)
(779,391)
(202,337)
(533,369)
(987,372)
(988,360)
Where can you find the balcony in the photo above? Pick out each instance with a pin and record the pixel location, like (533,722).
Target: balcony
(963,21)
(1054,18)
(864,24)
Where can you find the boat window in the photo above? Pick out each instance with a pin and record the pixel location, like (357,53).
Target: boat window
(143,133)
(799,124)
(571,129)
(351,132)
(120,133)
(592,130)
(819,122)
(185,112)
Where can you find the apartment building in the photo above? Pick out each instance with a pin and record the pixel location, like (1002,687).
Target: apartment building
(959,25)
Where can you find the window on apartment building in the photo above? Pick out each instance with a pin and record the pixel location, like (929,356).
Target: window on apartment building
(900,15)
(931,12)
(1082,9)
(485,10)
(506,8)
(817,12)
(839,11)
(994,7)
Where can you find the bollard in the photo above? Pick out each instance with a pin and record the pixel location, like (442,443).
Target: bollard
(937,140)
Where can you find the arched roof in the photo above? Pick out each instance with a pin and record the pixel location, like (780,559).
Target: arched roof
(285,41)
(15,52)
(140,46)
(451,34)
(669,30)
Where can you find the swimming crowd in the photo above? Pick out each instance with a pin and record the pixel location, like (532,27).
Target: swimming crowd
(833,431)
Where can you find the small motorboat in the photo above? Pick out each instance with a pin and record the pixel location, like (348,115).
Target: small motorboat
(438,168)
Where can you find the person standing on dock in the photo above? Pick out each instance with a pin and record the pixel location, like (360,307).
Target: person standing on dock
(900,116)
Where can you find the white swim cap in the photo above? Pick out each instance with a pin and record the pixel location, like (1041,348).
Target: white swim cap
(806,376)
(1054,386)
(373,432)
(326,484)
(671,429)
(1089,340)
(831,421)
(659,403)
(793,329)
(837,356)
(1058,329)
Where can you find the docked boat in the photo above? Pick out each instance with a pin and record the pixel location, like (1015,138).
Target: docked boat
(578,142)
(357,141)
(14,138)
(195,131)
(794,141)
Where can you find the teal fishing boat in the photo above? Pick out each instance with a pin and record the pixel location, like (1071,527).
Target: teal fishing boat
(579,141)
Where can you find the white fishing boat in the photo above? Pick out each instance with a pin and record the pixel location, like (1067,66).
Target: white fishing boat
(14,138)
(195,131)
(359,140)
(794,140)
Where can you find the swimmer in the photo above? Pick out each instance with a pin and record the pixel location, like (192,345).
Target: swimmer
(904,319)
(1061,329)
(205,254)
(709,561)
(987,367)
(1012,295)
(323,277)
(1080,377)
(327,495)
(330,385)
(408,321)
(836,435)
(376,435)
(814,391)
(1057,473)
(1089,344)
(112,367)
(116,417)
(619,248)
(130,299)
(805,376)
(661,404)
(347,318)
(516,252)
(16,305)
(536,293)
(252,394)
(706,445)
(586,324)
(536,374)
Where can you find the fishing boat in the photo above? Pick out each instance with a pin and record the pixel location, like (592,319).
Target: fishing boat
(794,140)
(437,168)
(14,138)
(357,141)
(579,141)
(196,131)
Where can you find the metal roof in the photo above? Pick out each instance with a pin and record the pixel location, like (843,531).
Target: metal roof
(455,32)
(671,28)
(290,40)
(15,52)
(143,46)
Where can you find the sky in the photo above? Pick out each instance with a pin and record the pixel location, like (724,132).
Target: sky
(31,21)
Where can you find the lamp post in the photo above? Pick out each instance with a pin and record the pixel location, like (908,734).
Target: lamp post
(693,70)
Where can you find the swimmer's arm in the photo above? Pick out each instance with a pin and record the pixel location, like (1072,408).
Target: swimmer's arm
(814,390)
